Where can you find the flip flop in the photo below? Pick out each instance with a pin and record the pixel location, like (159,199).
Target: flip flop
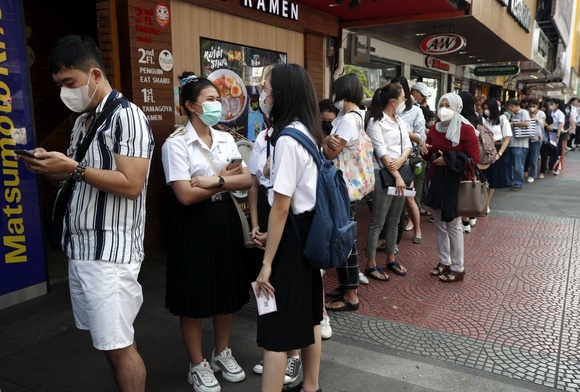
(425,213)
(336,293)
(418,240)
(396,268)
(348,306)
(383,277)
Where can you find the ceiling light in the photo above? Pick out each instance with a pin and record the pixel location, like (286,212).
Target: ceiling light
(480,59)
(420,34)
(333,5)
(463,52)
(533,76)
(472,56)
(353,4)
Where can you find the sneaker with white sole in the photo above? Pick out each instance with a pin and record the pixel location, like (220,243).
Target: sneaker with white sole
(530,179)
(293,367)
(556,172)
(362,279)
(227,364)
(472,221)
(325,329)
(466,228)
(259,367)
(202,378)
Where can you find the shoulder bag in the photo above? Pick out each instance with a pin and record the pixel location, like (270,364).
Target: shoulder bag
(357,166)
(472,193)
(405,171)
(243,218)
(60,198)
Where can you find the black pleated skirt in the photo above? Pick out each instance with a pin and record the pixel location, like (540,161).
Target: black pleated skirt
(495,174)
(256,256)
(298,295)
(205,261)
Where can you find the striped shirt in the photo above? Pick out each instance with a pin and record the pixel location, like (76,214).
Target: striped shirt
(100,225)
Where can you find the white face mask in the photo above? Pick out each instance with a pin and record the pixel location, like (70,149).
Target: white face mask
(533,109)
(400,108)
(445,114)
(339,105)
(77,99)
(486,112)
(264,107)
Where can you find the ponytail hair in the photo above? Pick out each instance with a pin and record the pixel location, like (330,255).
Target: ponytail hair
(381,99)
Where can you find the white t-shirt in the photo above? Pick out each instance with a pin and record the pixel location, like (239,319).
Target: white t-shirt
(294,172)
(345,126)
(501,130)
(259,156)
(183,159)
(558,117)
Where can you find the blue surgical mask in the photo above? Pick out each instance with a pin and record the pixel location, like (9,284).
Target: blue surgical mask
(567,111)
(212,112)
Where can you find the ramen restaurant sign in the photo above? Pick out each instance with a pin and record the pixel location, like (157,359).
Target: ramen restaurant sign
(282,8)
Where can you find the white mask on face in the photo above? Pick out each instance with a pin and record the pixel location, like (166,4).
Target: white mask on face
(445,114)
(400,108)
(339,105)
(264,107)
(486,112)
(77,99)
(533,109)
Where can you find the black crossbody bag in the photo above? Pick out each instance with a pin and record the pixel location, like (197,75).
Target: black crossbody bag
(60,198)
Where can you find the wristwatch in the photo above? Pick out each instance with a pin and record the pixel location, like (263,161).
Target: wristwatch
(79,172)
(222,182)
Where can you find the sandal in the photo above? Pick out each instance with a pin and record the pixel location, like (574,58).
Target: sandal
(418,240)
(452,276)
(425,213)
(441,269)
(432,219)
(396,268)
(382,276)
(296,388)
(348,306)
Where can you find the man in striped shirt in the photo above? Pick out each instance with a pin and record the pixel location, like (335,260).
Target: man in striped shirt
(105,221)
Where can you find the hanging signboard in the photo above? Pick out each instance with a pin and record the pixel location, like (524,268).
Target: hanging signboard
(22,263)
(438,44)
(497,70)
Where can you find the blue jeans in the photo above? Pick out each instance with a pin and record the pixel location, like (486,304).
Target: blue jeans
(533,155)
(514,166)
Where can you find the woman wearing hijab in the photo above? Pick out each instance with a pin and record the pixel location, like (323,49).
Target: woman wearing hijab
(451,140)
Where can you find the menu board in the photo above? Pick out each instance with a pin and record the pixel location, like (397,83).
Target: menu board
(152,60)
(238,71)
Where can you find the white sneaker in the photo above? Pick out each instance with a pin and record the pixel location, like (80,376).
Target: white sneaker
(325,329)
(472,222)
(362,279)
(530,179)
(259,367)
(466,228)
(293,367)
(488,210)
(227,364)
(556,172)
(202,378)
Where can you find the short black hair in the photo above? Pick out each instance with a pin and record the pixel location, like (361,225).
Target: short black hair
(326,105)
(513,101)
(191,88)
(75,52)
(348,87)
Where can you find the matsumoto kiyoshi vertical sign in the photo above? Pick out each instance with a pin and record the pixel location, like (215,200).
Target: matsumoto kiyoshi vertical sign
(22,265)
(238,71)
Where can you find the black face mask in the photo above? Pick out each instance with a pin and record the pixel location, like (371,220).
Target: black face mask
(327,126)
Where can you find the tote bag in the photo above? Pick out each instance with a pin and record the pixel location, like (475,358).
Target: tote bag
(472,194)
(356,164)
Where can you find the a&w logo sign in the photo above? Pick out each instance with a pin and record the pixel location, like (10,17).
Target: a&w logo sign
(442,44)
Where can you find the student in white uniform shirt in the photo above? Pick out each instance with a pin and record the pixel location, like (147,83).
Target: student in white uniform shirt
(204,277)
(285,273)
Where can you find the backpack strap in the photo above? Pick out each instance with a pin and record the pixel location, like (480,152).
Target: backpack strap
(316,155)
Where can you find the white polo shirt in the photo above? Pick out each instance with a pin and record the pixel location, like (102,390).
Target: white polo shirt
(183,159)
(294,172)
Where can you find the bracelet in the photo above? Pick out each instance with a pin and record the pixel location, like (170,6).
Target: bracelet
(499,153)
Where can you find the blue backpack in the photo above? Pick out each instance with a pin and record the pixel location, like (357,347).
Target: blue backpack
(332,233)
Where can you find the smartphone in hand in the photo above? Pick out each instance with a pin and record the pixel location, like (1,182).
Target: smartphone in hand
(234,162)
(25,153)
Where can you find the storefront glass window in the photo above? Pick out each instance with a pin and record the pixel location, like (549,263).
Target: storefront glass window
(373,78)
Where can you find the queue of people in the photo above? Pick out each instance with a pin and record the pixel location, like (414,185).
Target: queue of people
(373,147)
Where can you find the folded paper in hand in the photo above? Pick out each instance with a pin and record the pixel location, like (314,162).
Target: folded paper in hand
(408,192)
(265,305)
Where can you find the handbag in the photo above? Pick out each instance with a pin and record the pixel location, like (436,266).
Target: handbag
(243,218)
(472,193)
(60,198)
(405,171)
(357,165)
